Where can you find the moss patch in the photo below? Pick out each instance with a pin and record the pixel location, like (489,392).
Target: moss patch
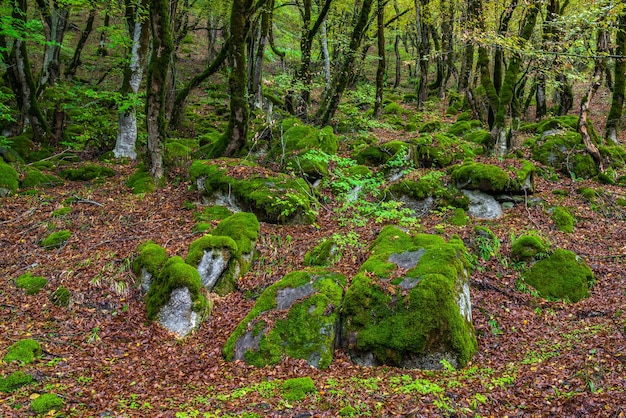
(322,254)
(563,275)
(56,239)
(297,388)
(563,219)
(61,212)
(61,297)
(484,177)
(45,403)
(35,178)
(529,246)
(14,381)
(242,227)
(31,284)
(151,256)
(87,172)
(440,150)
(141,182)
(213,213)
(23,351)
(9,179)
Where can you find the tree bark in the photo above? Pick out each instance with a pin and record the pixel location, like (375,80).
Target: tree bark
(380,69)
(423,48)
(617,102)
(54,18)
(70,71)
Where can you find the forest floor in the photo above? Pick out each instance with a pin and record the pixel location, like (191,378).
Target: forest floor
(105,358)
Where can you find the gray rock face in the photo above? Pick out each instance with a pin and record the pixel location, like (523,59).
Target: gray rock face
(214,262)
(482,205)
(177,315)
(420,207)
(407,259)
(145,278)
(286,297)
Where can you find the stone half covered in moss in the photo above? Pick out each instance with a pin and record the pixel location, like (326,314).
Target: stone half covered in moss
(391,155)
(35,178)
(295,317)
(564,151)
(148,263)
(23,351)
(562,275)
(441,150)
(176,299)
(484,177)
(87,172)
(273,197)
(409,305)
(8,179)
(529,246)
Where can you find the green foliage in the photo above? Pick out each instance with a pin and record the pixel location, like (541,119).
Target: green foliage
(440,149)
(14,381)
(23,351)
(86,173)
(297,388)
(213,213)
(61,297)
(61,212)
(323,254)
(56,239)
(31,284)
(45,403)
(8,179)
(486,243)
(563,219)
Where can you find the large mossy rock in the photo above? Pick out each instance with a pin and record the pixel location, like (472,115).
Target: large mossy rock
(9,179)
(564,151)
(441,150)
(149,263)
(176,299)
(225,254)
(295,317)
(409,305)
(34,178)
(401,153)
(494,180)
(562,275)
(273,197)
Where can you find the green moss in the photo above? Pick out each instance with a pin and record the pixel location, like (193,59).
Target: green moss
(35,178)
(31,284)
(297,388)
(484,177)
(565,152)
(45,403)
(322,255)
(588,193)
(22,144)
(14,381)
(380,154)
(558,122)
(393,108)
(524,176)
(201,227)
(440,150)
(178,152)
(213,213)
(56,239)
(529,246)
(141,182)
(563,275)
(87,172)
(61,297)
(175,274)
(432,126)
(151,256)
(8,179)
(559,192)
(242,227)
(563,219)
(478,136)
(461,128)
(23,351)
(459,218)
(199,246)
(61,212)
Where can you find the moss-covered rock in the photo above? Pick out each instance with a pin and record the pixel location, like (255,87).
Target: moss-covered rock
(529,246)
(23,351)
(56,239)
(440,150)
(565,151)
(22,144)
(461,128)
(484,177)
(272,197)
(294,317)
(45,403)
(61,297)
(297,388)
(568,122)
(379,155)
(409,305)
(141,182)
(562,275)
(14,381)
(87,172)
(149,263)
(35,178)
(176,299)
(323,254)
(427,191)
(9,179)
(563,219)
(431,126)
(213,213)
(31,284)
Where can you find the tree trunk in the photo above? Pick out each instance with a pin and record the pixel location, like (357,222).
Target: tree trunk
(325,54)
(70,71)
(423,48)
(380,70)
(158,75)
(540,97)
(617,102)
(55,23)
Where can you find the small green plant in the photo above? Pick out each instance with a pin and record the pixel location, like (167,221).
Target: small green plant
(297,388)
(61,297)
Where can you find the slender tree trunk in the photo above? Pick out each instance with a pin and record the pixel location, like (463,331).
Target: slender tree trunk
(70,71)
(256,90)
(325,54)
(55,24)
(158,75)
(423,48)
(102,50)
(617,102)
(380,70)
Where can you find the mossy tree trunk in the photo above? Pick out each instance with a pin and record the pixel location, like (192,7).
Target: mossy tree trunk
(331,100)
(423,49)
(158,73)
(54,19)
(447,45)
(549,36)
(139,33)
(257,54)
(498,54)
(617,102)
(380,68)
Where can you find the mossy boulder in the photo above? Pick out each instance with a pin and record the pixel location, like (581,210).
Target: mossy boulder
(22,144)
(409,305)
(563,219)
(56,239)
(567,122)
(176,299)
(14,381)
(149,263)
(380,155)
(426,192)
(272,197)
(86,172)
(225,254)
(564,151)
(463,127)
(431,126)
(23,351)
(295,317)
(141,182)
(562,275)
(31,284)
(486,178)
(323,254)
(45,403)
(9,179)
(34,178)
(213,213)
(440,150)
(529,246)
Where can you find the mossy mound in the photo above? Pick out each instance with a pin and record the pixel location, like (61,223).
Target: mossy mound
(563,219)
(484,177)
(56,239)
(297,388)
(379,155)
(213,213)
(409,305)
(61,297)
(562,275)
(86,173)
(149,263)
(478,136)
(9,179)
(529,246)
(178,152)
(35,178)
(431,126)
(22,144)
(558,123)
(440,150)
(45,403)
(176,299)
(430,185)
(565,152)
(294,317)
(14,381)
(463,127)
(459,217)
(31,284)
(272,197)
(323,254)
(23,351)
(243,228)
(141,182)
(61,212)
